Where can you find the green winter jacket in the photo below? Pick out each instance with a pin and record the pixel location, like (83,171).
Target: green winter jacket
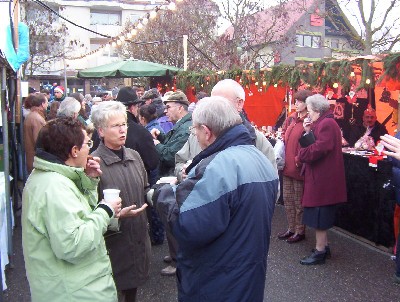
(62,236)
(172,142)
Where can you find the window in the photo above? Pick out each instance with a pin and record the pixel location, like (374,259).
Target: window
(105,18)
(308,41)
(106,52)
(335,43)
(133,17)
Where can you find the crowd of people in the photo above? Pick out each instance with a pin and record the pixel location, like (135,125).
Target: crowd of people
(215,210)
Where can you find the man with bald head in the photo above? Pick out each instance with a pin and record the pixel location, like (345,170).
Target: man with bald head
(234,92)
(370,127)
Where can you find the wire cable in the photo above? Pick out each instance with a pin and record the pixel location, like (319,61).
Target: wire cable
(206,56)
(69,21)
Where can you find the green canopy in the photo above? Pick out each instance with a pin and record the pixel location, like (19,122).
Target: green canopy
(128,69)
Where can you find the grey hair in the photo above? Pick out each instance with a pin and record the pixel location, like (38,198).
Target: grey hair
(103,111)
(217,113)
(68,107)
(318,103)
(96,99)
(229,89)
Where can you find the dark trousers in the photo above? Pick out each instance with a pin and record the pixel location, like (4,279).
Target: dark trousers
(398,256)
(127,295)
(172,243)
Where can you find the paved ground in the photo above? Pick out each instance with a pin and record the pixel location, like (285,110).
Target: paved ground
(356,272)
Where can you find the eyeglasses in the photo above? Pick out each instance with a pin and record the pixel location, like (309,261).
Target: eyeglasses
(89,143)
(192,130)
(119,126)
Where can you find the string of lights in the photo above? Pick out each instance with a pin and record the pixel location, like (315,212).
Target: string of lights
(123,37)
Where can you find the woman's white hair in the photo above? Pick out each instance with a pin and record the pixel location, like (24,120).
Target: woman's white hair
(217,113)
(102,112)
(318,103)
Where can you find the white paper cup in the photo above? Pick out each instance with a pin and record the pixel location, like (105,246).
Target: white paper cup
(111,194)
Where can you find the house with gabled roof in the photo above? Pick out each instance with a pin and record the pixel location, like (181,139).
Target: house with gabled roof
(298,31)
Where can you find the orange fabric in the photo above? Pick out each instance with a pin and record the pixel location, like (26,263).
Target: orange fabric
(383,110)
(263,108)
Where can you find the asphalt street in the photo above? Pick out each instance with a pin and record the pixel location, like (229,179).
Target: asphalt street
(356,272)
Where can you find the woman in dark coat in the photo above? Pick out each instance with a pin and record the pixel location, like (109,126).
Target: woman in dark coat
(324,178)
(123,169)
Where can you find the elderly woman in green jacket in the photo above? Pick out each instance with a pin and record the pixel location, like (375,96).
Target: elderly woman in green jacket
(123,169)
(62,223)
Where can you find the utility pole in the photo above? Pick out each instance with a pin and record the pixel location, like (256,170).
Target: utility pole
(185,52)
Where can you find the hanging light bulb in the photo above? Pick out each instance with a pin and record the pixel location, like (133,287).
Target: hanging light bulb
(153,14)
(122,38)
(145,21)
(140,25)
(119,42)
(264,83)
(335,85)
(275,85)
(352,74)
(179,0)
(129,35)
(367,81)
(172,6)
(134,32)
(113,44)
(256,83)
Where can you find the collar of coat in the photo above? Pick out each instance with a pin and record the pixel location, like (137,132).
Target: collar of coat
(47,162)
(110,157)
(234,136)
(326,114)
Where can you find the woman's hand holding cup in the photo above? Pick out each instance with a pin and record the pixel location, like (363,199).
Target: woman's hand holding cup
(111,198)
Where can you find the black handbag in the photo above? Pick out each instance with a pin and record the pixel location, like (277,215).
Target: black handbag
(307,139)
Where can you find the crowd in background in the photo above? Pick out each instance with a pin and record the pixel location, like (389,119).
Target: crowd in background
(220,162)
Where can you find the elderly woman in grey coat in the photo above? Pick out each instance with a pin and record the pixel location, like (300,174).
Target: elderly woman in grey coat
(123,169)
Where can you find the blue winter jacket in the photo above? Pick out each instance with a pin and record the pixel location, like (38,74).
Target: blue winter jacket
(221,218)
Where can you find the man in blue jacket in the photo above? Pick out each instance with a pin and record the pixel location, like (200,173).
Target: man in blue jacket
(221,213)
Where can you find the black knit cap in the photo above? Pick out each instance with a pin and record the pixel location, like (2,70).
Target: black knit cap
(127,96)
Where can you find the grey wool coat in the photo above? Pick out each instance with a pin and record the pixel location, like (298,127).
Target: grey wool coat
(129,249)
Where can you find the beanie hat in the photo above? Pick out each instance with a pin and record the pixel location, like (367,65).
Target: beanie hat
(127,96)
(59,89)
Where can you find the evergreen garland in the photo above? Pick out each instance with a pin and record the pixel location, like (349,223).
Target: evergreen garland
(318,74)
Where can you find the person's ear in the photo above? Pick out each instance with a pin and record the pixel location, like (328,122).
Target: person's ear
(207,132)
(101,132)
(74,152)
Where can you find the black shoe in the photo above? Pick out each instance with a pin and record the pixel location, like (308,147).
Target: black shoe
(285,235)
(327,250)
(315,258)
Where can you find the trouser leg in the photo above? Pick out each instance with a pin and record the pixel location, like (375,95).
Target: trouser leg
(298,186)
(288,200)
(127,295)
